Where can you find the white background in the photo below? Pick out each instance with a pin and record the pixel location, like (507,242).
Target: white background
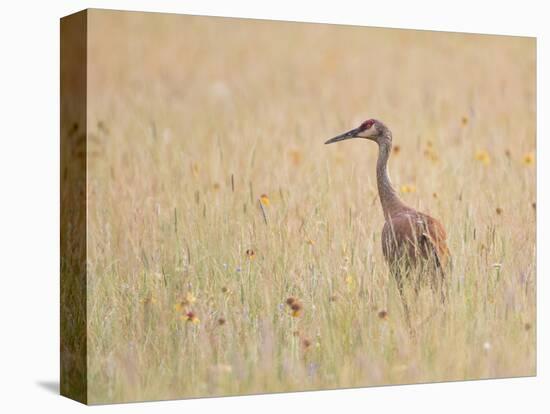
(29,208)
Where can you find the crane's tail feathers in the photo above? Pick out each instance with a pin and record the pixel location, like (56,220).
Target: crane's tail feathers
(431,245)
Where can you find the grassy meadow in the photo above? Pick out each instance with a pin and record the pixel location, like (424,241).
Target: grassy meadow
(212,201)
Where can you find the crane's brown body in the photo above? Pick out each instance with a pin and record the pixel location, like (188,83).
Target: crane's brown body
(414,237)
(411,240)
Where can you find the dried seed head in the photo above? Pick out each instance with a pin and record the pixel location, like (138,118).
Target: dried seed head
(383,314)
(296,306)
(290,301)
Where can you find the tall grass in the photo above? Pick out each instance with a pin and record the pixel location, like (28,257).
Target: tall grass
(192,119)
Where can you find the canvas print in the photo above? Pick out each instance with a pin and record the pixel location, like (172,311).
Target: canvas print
(253,206)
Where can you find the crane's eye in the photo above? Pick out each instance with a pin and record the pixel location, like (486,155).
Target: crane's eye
(367,124)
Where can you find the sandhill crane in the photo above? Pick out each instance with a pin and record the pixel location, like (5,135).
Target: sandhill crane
(412,242)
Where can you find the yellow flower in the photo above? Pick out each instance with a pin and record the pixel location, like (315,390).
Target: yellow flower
(483,157)
(264,199)
(431,154)
(190,317)
(350,281)
(310,242)
(188,300)
(408,188)
(250,254)
(529,159)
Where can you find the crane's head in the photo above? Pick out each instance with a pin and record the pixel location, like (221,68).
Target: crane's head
(370,129)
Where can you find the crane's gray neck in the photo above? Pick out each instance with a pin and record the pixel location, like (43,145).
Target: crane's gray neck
(391,204)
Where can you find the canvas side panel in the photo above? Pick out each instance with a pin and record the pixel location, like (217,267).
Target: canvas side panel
(73,377)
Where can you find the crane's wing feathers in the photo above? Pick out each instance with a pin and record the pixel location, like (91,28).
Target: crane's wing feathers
(420,232)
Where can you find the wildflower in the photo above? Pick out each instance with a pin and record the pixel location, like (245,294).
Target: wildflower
(310,242)
(408,188)
(350,281)
(483,157)
(431,154)
(529,159)
(498,210)
(264,199)
(486,346)
(295,156)
(188,300)
(296,308)
(250,254)
(383,315)
(190,317)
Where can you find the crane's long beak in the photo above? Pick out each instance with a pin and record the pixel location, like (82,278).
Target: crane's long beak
(347,135)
